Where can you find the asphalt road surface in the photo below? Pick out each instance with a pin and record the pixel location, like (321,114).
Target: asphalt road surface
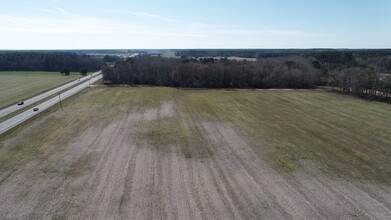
(18,119)
(15,107)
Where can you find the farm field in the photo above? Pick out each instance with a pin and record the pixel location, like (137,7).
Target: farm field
(15,86)
(232,58)
(165,153)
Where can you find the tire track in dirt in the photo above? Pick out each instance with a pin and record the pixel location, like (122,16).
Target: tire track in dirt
(295,200)
(108,178)
(38,186)
(342,193)
(219,191)
(234,183)
(128,178)
(238,178)
(235,190)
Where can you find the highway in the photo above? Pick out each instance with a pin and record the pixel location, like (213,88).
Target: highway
(18,119)
(15,107)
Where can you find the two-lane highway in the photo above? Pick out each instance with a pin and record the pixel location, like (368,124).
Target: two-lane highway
(18,119)
(15,107)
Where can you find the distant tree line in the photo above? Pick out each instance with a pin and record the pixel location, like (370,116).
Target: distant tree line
(290,72)
(366,74)
(57,62)
(246,53)
(267,53)
(364,82)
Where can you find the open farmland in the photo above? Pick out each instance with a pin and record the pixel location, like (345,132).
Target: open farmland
(15,86)
(145,152)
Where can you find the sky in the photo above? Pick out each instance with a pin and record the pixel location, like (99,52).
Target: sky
(176,24)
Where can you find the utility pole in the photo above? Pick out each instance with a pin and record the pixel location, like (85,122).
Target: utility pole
(59,96)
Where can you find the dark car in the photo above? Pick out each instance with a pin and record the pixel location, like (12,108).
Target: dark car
(35,109)
(20,103)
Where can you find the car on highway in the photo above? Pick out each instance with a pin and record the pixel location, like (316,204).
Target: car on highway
(35,109)
(20,103)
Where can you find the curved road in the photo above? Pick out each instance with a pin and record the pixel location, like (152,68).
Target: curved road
(18,119)
(15,107)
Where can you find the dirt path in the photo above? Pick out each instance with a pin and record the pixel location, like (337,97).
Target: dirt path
(108,174)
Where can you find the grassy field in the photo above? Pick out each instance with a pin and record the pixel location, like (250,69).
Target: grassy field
(15,86)
(169,153)
(169,55)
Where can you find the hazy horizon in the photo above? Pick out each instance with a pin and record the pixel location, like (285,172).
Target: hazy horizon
(210,48)
(251,24)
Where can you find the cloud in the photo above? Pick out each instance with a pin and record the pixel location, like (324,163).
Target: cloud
(14,19)
(291,33)
(145,15)
(238,31)
(54,10)
(83,25)
(72,24)
(61,11)
(90,31)
(153,16)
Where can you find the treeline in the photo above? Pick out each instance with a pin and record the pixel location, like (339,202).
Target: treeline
(364,82)
(289,72)
(268,53)
(245,53)
(366,74)
(331,60)
(57,62)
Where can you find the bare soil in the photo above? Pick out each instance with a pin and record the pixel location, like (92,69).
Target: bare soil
(110,172)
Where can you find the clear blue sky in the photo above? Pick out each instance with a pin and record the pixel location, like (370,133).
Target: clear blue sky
(117,24)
